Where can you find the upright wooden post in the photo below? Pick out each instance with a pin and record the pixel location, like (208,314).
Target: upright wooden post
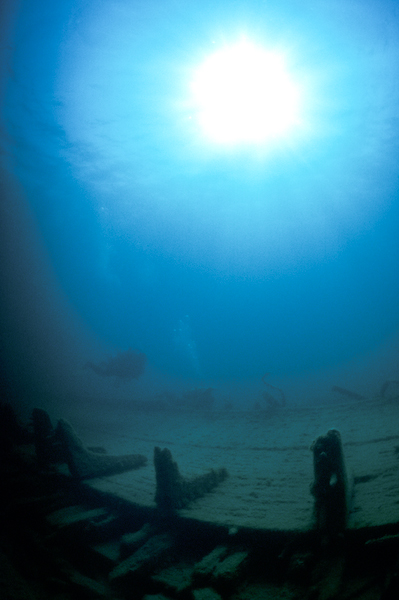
(331,489)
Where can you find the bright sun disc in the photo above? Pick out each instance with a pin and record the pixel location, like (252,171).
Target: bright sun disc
(245,94)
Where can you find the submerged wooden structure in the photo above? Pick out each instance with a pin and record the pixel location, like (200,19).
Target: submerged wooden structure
(285,508)
(268,458)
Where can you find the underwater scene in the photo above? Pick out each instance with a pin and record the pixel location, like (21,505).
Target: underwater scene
(199,292)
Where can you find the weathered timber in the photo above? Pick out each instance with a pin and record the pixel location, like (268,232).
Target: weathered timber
(331,488)
(174,491)
(48,447)
(86,464)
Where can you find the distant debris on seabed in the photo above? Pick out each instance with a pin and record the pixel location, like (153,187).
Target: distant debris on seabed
(199,398)
(348,393)
(126,365)
(274,399)
(390,390)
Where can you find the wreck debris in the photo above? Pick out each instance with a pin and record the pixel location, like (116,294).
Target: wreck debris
(390,390)
(390,541)
(125,365)
(273,402)
(86,464)
(331,488)
(199,398)
(144,560)
(172,490)
(11,431)
(130,542)
(175,581)
(68,560)
(348,393)
(204,569)
(48,447)
(223,568)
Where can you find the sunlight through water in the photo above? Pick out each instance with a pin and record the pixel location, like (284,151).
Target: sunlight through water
(238,146)
(245,94)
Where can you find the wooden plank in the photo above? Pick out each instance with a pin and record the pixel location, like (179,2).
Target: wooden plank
(268,459)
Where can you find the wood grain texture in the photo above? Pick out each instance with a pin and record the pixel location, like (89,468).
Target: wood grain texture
(268,459)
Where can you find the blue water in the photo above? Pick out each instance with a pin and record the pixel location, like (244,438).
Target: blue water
(123,227)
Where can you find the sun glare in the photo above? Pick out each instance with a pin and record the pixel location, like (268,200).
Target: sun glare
(245,94)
